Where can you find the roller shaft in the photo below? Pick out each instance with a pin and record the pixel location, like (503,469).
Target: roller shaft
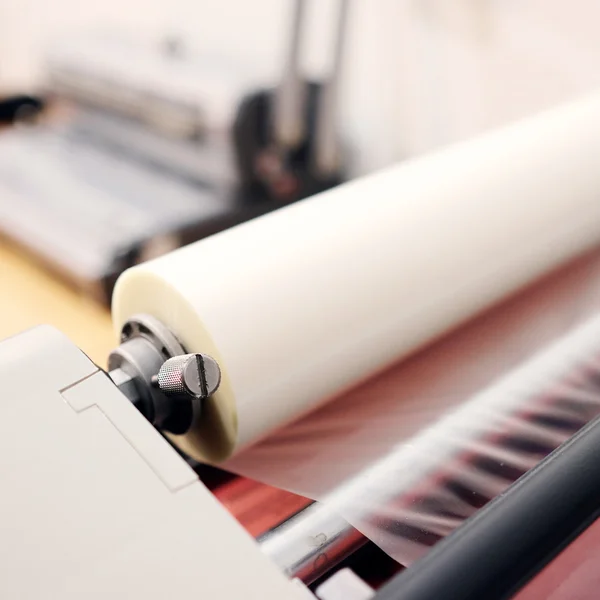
(311,542)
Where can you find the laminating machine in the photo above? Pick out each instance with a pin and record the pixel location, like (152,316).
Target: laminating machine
(445,309)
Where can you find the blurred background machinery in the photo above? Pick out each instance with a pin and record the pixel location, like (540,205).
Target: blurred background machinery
(147,147)
(416,75)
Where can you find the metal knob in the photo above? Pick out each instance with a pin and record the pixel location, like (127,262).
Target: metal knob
(188,376)
(166,385)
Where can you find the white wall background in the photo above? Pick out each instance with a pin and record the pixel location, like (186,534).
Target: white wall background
(419,73)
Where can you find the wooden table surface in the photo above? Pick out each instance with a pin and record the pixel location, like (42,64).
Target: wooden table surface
(30,296)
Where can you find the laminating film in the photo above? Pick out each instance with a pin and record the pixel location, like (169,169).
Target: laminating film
(371,338)
(407,456)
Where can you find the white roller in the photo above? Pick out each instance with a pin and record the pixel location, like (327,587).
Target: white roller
(304,303)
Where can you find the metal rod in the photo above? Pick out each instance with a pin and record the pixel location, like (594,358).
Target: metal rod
(311,542)
(290,95)
(327,151)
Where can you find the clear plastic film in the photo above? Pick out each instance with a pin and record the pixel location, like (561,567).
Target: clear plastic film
(409,455)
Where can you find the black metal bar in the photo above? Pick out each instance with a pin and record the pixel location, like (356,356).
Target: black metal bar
(507,542)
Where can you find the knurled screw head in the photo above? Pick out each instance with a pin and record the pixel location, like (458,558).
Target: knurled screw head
(189,376)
